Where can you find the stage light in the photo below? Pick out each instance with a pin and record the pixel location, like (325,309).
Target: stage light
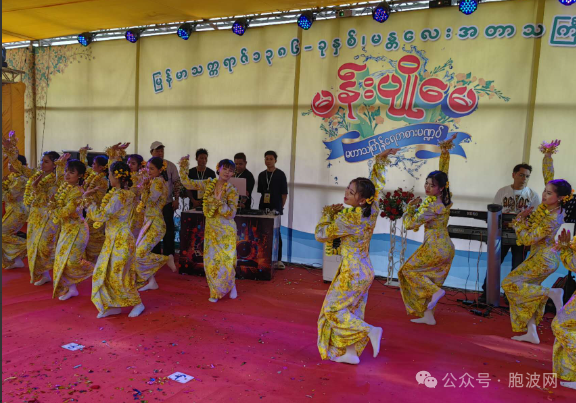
(306,19)
(567,2)
(85,38)
(132,35)
(240,26)
(468,6)
(381,12)
(185,30)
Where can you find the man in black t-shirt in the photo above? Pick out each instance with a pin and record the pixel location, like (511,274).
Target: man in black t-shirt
(199,172)
(273,188)
(245,201)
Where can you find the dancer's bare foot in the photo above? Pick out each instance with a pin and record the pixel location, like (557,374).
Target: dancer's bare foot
(72,292)
(109,312)
(171,264)
(350,357)
(531,336)
(152,285)
(213,299)
(435,298)
(233,293)
(137,310)
(16,264)
(557,296)
(375,337)
(428,318)
(571,385)
(45,279)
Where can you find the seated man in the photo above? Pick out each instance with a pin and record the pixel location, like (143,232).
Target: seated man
(514,199)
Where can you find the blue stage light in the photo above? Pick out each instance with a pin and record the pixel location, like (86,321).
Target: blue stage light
(567,2)
(85,38)
(306,19)
(381,12)
(132,35)
(468,6)
(240,26)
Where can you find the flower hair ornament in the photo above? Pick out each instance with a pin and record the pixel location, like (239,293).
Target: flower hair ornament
(164,166)
(121,173)
(567,198)
(447,184)
(370,200)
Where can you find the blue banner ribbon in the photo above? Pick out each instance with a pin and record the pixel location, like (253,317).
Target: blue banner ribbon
(426,134)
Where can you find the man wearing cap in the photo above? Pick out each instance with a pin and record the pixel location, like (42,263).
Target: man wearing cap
(174,187)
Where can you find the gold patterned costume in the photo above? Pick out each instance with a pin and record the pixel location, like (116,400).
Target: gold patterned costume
(70,265)
(42,232)
(94,180)
(137,218)
(220,233)
(114,278)
(526,296)
(426,270)
(15,216)
(154,197)
(564,325)
(341,321)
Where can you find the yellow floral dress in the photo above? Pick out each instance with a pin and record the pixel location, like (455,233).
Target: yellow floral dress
(97,235)
(154,198)
(70,265)
(564,325)
(522,286)
(220,233)
(42,232)
(137,218)
(15,216)
(426,270)
(341,321)
(114,278)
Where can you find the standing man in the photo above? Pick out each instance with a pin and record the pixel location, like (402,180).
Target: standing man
(514,199)
(172,203)
(199,172)
(273,187)
(244,202)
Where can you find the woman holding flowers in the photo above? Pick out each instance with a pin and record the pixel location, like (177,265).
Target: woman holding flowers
(537,229)
(42,233)
(70,265)
(219,206)
(114,278)
(13,246)
(95,178)
(564,324)
(342,332)
(425,271)
(154,196)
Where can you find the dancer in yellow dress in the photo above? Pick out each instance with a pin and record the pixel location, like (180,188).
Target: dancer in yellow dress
(219,206)
(15,216)
(424,273)
(564,324)
(114,278)
(342,332)
(95,178)
(138,174)
(154,196)
(70,264)
(537,228)
(42,232)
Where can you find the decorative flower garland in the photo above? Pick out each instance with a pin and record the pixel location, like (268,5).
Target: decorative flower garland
(28,191)
(210,188)
(103,205)
(93,179)
(536,222)
(348,211)
(6,183)
(60,200)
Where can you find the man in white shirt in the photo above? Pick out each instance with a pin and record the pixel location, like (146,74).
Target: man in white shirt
(514,199)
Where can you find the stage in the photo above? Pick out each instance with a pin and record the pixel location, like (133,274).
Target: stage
(260,347)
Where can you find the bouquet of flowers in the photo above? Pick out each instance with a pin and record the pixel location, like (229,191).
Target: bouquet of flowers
(393,203)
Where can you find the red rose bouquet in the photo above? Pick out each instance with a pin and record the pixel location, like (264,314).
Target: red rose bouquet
(393,203)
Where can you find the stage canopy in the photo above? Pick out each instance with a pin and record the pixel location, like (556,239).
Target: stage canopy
(25,20)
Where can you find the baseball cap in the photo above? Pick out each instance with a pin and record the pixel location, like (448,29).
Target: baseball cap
(155,145)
